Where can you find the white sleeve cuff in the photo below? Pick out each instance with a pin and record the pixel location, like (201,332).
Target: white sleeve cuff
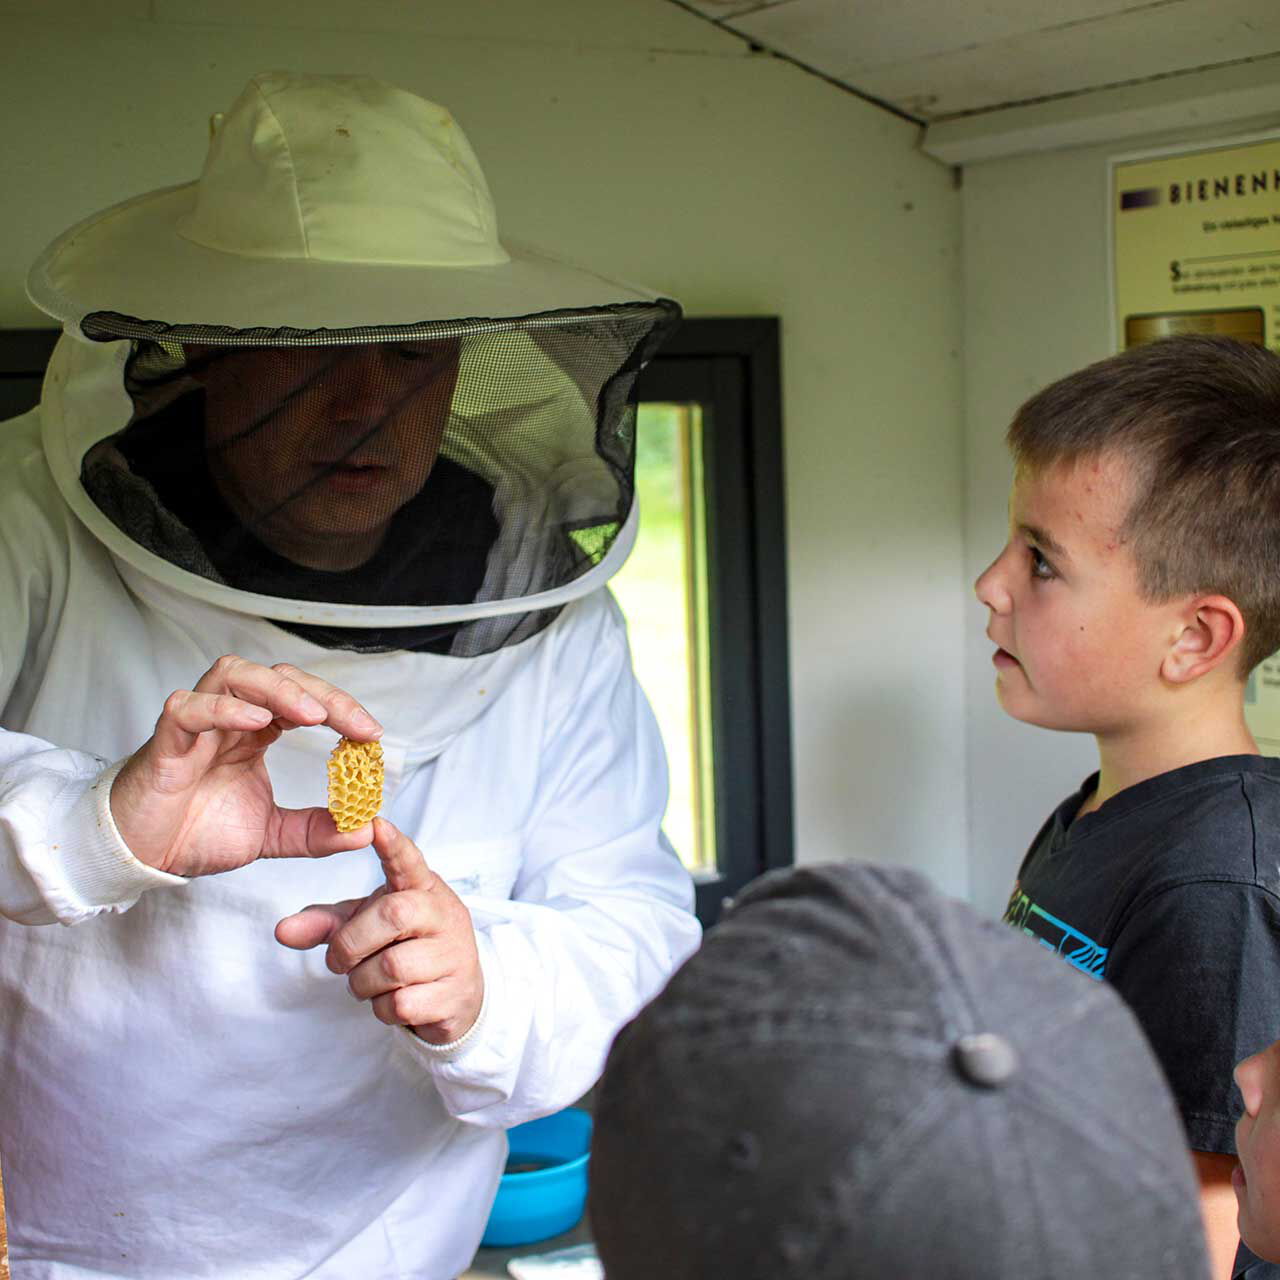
(468,1039)
(98,870)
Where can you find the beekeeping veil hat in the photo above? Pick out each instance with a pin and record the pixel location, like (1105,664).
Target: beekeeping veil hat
(314,386)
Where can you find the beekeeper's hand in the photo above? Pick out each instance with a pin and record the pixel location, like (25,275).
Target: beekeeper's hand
(409,947)
(195,798)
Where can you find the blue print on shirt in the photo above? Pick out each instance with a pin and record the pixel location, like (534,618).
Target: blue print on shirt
(1056,935)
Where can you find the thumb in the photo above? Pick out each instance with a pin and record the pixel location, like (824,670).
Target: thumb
(315,924)
(402,860)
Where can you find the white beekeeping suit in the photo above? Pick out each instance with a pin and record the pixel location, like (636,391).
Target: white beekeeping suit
(310,410)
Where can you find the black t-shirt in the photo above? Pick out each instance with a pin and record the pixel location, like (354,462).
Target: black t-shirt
(1170,891)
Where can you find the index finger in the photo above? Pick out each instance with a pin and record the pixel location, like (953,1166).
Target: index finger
(402,860)
(343,712)
(292,695)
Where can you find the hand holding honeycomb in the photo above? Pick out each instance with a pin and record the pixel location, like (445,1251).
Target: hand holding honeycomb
(355,783)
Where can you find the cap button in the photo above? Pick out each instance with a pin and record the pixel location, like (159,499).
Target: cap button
(986,1059)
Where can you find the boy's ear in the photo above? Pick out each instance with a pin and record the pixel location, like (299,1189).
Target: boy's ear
(1212,630)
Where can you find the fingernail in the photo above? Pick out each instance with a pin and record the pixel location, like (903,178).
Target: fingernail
(367,721)
(312,706)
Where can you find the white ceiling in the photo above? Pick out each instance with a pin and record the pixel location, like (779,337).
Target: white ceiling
(936,60)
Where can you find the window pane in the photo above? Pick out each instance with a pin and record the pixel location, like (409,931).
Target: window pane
(663,592)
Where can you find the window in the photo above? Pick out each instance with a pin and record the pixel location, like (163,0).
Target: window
(23,356)
(662,589)
(704,590)
(705,597)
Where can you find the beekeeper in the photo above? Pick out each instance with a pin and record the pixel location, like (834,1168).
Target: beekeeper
(317,455)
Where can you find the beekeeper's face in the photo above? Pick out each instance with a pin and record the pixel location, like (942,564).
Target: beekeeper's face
(316,448)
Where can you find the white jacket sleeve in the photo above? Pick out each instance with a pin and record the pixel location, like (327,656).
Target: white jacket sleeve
(602,911)
(61,857)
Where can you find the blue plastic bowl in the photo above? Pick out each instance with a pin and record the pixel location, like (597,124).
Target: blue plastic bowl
(545,1189)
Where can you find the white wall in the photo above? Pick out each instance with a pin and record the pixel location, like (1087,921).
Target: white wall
(1036,306)
(641,140)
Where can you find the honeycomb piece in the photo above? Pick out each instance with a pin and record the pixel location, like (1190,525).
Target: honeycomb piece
(355,783)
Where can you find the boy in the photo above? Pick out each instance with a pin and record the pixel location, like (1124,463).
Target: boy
(858,1077)
(1139,587)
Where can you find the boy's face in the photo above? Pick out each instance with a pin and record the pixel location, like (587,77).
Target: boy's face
(1256,1179)
(1078,647)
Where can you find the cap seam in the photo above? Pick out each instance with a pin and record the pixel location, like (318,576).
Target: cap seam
(477,206)
(293,171)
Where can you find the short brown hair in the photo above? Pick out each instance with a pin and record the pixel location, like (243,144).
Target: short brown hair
(1198,421)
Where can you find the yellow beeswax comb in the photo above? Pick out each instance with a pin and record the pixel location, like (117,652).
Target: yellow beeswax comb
(355,783)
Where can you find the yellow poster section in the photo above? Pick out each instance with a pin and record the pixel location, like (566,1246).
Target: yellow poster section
(1196,249)
(1196,243)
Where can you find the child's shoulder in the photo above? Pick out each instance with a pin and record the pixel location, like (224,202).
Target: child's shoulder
(1217,795)
(1213,822)
(1197,797)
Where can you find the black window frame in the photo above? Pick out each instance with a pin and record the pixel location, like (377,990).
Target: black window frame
(730,366)
(24,353)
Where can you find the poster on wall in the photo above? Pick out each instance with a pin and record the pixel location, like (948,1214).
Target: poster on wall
(1195,238)
(1195,248)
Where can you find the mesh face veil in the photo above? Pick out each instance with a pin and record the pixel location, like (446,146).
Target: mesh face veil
(476,474)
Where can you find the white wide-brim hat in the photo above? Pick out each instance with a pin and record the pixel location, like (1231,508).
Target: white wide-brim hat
(326,202)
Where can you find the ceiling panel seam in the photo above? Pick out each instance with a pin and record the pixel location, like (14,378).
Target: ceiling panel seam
(756,47)
(1084,92)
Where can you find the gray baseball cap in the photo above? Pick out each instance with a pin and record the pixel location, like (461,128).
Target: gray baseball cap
(859,1077)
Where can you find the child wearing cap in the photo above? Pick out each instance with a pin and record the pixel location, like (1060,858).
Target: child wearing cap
(857,1078)
(1136,592)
